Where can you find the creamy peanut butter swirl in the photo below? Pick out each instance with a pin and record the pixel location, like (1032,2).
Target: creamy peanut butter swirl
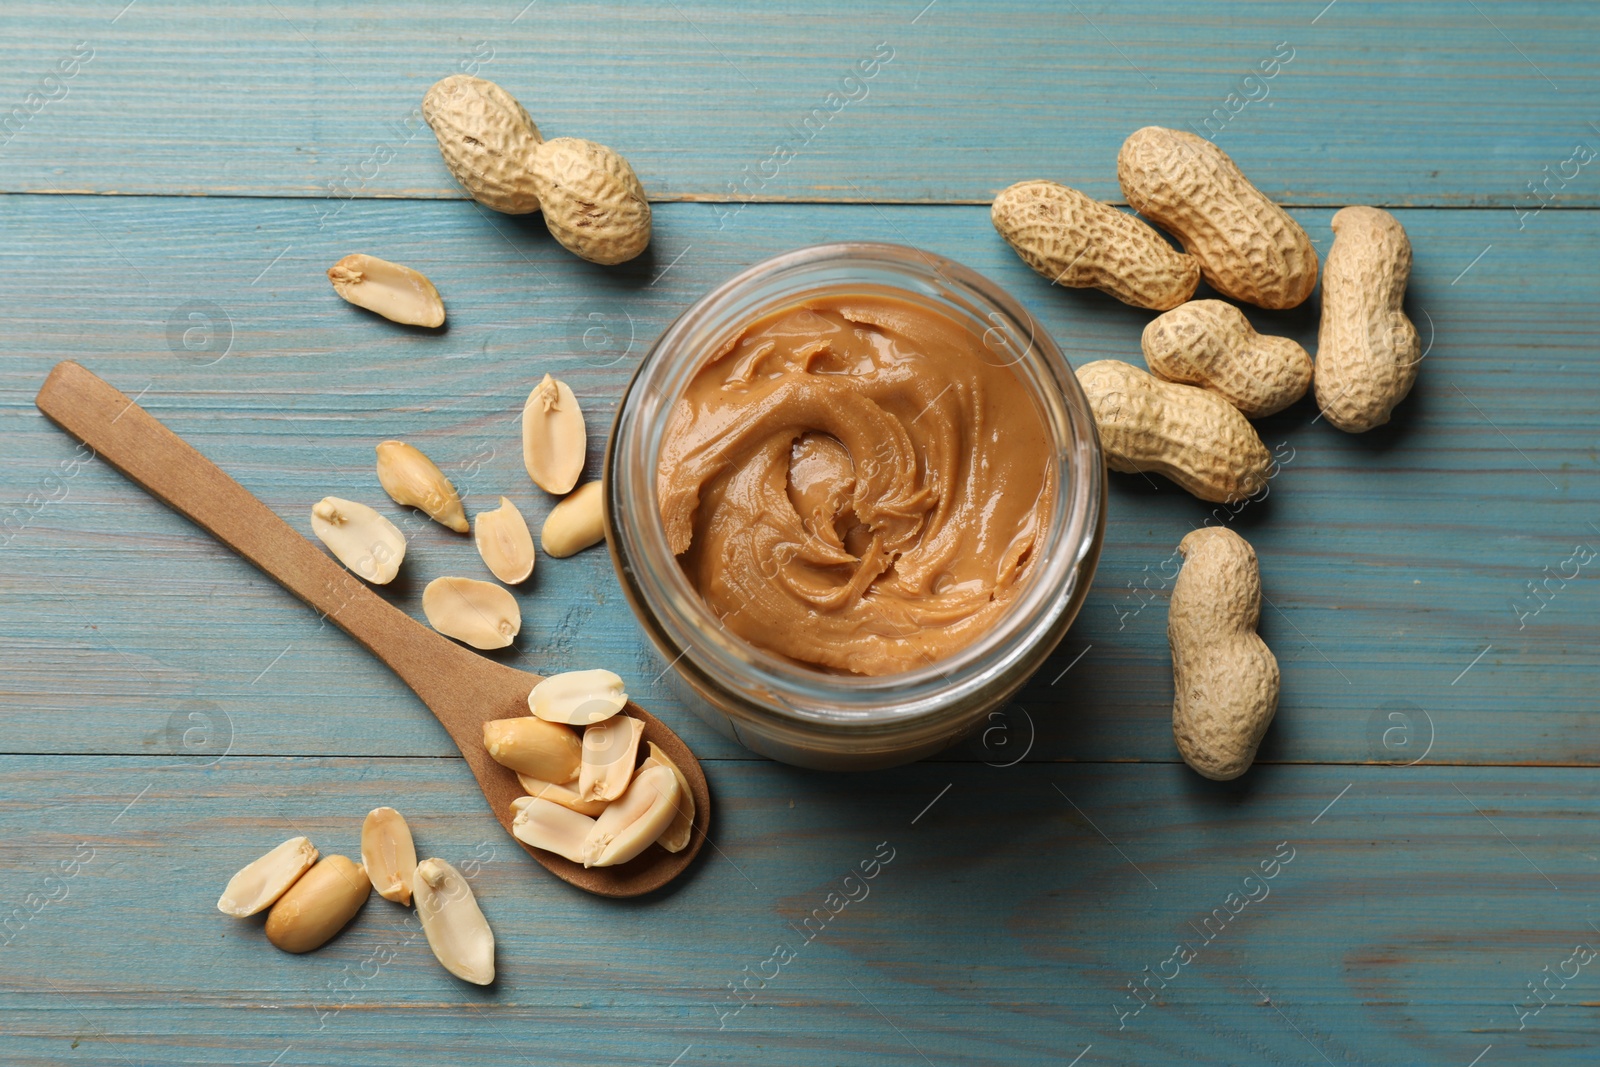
(849,483)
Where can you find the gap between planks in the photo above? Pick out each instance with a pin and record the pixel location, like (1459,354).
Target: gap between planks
(712,198)
(930,761)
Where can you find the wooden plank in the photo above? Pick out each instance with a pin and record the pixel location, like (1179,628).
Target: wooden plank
(1393,103)
(1400,924)
(1393,561)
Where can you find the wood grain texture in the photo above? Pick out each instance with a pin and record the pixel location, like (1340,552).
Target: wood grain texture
(1004,928)
(1389,103)
(1390,561)
(170,713)
(464,690)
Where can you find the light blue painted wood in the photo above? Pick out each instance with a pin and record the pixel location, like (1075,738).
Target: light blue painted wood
(170,712)
(1391,560)
(1004,929)
(1398,103)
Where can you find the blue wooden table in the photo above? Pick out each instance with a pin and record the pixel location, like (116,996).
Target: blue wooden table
(1062,889)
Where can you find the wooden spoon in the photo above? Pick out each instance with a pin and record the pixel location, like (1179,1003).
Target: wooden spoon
(463,689)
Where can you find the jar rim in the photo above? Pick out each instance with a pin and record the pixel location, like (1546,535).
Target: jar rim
(683,628)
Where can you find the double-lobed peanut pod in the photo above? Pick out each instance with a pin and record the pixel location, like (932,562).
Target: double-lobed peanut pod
(1225,679)
(1194,437)
(1368,351)
(1211,344)
(319,904)
(413,480)
(1248,247)
(593,202)
(1080,242)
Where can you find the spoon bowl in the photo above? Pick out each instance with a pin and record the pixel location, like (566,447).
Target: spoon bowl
(463,689)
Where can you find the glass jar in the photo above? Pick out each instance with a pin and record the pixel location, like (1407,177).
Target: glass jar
(804,715)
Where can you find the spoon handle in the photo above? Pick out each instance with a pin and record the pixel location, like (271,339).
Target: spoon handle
(164,465)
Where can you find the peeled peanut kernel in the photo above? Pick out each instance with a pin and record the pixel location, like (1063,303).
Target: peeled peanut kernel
(565,795)
(394,291)
(610,751)
(576,523)
(457,931)
(554,438)
(360,538)
(631,823)
(480,614)
(504,542)
(676,836)
(262,881)
(318,905)
(547,825)
(411,479)
(544,750)
(578,698)
(388,854)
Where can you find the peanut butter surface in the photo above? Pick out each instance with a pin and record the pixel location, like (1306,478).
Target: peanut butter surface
(856,483)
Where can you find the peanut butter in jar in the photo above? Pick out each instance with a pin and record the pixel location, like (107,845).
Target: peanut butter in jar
(856,482)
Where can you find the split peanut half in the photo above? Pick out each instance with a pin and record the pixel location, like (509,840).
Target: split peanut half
(360,538)
(480,614)
(504,542)
(396,292)
(544,750)
(578,698)
(676,836)
(565,795)
(388,854)
(547,825)
(576,523)
(454,924)
(630,824)
(318,905)
(262,881)
(610,752)
(412,480)
(553,437)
